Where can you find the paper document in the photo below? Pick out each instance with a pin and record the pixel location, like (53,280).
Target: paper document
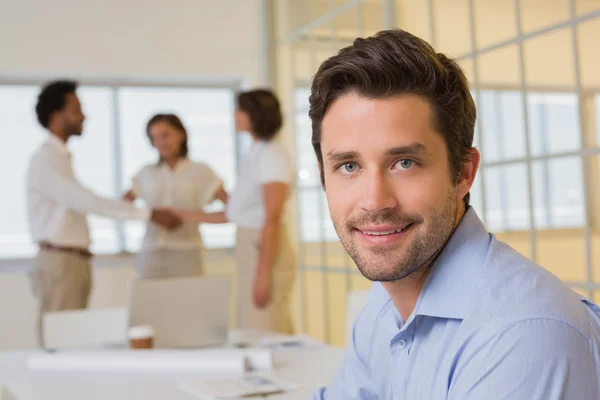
(288,341)
(225,362)
(254,385)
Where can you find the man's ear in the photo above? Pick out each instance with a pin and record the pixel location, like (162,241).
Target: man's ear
(468,172)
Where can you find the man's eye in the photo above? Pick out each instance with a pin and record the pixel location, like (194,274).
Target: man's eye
(348,168)
(405,164)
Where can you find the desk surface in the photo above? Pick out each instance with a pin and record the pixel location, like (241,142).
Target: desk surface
(308,367)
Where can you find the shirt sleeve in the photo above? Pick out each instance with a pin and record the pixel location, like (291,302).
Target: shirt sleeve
(537,359)
(209,184)
(136,183)
(46,179)
(274,166)
(352,380)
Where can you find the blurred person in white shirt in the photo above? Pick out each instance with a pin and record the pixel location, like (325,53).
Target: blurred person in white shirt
(58,204)
(266,261)
(174,181)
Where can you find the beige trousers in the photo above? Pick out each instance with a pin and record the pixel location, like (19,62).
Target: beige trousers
(165,263)
(276,316)
(60,281)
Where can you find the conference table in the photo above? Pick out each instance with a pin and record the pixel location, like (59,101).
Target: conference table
(308,367)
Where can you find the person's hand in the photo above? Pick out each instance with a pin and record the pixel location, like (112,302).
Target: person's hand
(261,291)
(129,196)
(165,218)
(184,215)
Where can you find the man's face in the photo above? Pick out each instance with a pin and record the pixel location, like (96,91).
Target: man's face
(388,183)
(72,116)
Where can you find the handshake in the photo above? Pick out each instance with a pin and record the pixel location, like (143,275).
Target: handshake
(166,218)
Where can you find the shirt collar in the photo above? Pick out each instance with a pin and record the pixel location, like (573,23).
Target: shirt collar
(449,288)
(452,281)
(58,144)
(181,163)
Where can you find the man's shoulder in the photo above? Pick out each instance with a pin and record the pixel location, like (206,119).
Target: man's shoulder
(514,289)
(41,155)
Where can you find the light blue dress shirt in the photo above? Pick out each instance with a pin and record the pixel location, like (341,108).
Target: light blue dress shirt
(488,324)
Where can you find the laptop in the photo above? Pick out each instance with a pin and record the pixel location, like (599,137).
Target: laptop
(185,312)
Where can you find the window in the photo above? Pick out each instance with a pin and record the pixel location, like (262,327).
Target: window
(557,180)
(116,119)
(94,161)
(315,222)
(17,121)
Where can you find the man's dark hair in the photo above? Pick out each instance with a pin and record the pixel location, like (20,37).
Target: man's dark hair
(53,98)
(395,62)
(262,106)
(176,123)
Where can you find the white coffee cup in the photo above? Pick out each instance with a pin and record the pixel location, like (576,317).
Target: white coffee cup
(141,337)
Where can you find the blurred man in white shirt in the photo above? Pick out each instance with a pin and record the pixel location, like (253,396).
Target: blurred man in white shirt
(58,204)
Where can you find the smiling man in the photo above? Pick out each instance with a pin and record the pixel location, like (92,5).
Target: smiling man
(453,313)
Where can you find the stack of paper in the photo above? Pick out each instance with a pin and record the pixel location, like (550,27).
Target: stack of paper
(224,362)
(233,388)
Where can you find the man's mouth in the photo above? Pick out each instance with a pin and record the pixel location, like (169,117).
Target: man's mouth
(382,230)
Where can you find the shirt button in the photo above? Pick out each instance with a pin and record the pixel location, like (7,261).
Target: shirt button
(402,343)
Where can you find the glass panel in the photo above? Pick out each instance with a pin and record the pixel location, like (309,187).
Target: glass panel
(17,120)
(553,122)
(337,299)
(315,304)
(303,67)
(359,282)
(589,63)
(562,253)
(549,59)
(558,193)
(476,195)
(94,161)
(306,160)
(304,12)
(208,117)
(467,67)
(593,186)
(517,240)
(453,27)
(506,198)
(372,17)
(494,21)
(301,103)
(336,255)
(586,6)
(413,16)
(500,68)
(503,128)
(328,228)
(596,117)
(310,218)
(538,14)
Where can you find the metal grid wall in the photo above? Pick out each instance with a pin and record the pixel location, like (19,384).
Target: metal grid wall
(315,24)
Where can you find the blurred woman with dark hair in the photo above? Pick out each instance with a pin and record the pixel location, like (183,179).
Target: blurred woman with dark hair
(266,263)
(175,181)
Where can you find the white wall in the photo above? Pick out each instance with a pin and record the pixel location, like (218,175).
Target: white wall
(166,38)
